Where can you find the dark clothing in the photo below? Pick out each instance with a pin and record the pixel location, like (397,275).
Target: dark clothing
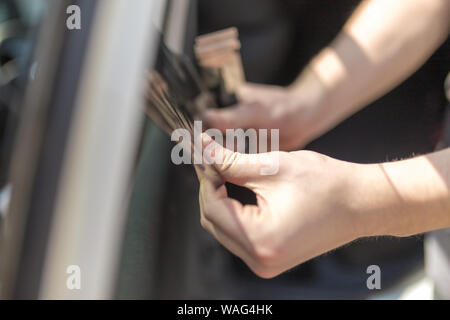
(278,39)
(167,255)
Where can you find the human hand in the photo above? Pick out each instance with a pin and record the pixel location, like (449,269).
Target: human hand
(291,110)
(301,212)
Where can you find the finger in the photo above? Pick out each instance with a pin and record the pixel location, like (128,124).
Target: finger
(238,168)
(229,243)
(230,222)
(222,217)
(237,116)
(208,172)
(199,171)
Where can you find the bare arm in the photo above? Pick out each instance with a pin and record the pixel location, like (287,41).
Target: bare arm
(381,45)
(315,204)
(405,197)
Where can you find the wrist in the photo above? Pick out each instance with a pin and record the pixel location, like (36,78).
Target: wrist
(309,104)
(324,88)
(370,200)
(400,198)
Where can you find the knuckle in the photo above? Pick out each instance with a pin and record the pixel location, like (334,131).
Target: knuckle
(265,256)
(265,272)
(230,158)
(207,215)
(203,223)
(267,261)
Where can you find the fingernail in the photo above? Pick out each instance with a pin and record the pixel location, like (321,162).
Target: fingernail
(206,139)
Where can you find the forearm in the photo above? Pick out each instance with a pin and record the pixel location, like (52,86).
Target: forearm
(383,43)
(405,197)
(315,203)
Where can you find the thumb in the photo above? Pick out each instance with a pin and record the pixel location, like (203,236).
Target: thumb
(238,168)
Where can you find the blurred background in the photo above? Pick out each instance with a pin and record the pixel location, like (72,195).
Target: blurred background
(86,177)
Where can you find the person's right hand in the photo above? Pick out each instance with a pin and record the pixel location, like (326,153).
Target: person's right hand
(307,206)
(270,107)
